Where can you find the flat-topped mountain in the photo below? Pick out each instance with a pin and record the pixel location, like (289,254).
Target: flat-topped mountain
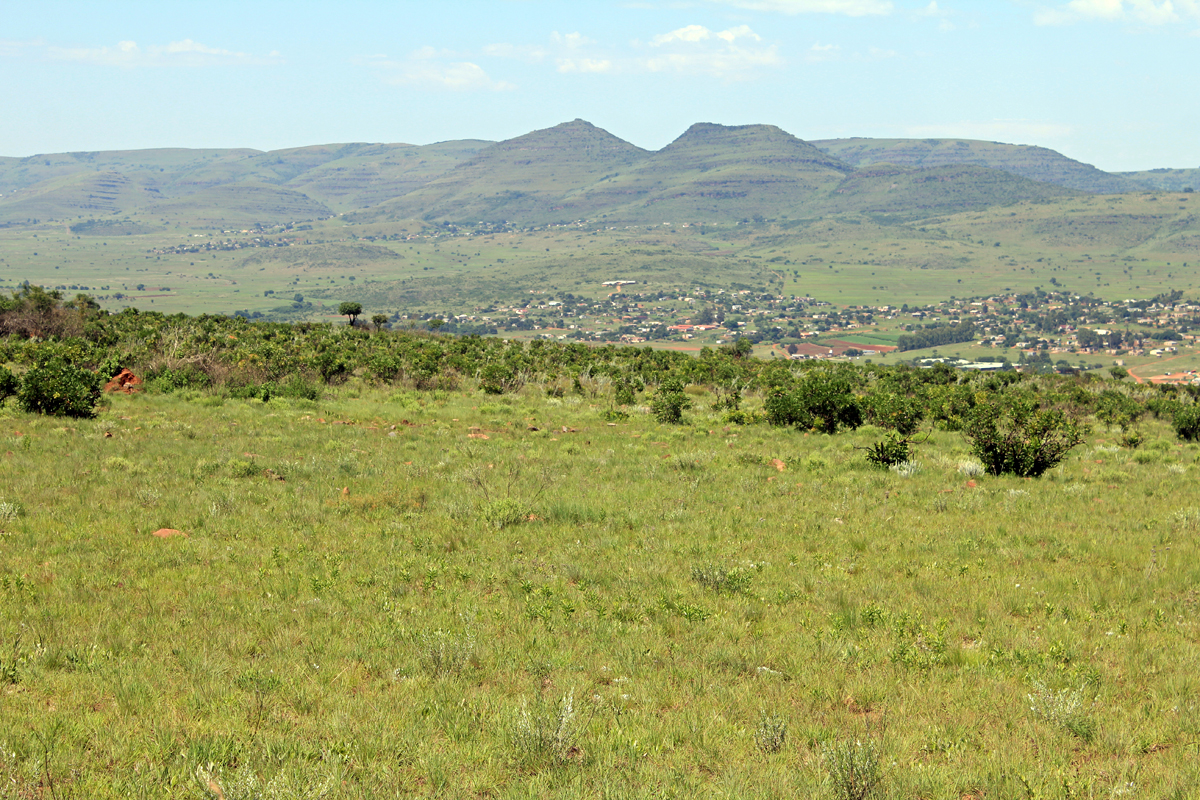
(1035,163)
(715,172)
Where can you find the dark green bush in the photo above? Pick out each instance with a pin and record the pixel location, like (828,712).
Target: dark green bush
(670,402)
(822,400)
(1011,434)
(8,383)
(58,388)
(1187,422)
(186,377)
(889,451)
(894,411)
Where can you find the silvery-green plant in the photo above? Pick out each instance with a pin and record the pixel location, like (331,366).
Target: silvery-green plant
(771,733)
(444,653)
(970,467)
(547,734)
(855,768)
(906,469)
(244,784)
(1063,707)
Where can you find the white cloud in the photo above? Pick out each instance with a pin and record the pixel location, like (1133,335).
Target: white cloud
(694,49)
(185,53)
(432,70)
(1017,131)
(1146,12)
(852,8)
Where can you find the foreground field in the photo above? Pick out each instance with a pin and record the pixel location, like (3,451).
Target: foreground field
(390,593)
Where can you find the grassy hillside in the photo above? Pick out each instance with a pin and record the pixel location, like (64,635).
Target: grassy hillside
(907,193)
(518,179)
(713,173)
(1168,180)
(76,195)
(1034,163)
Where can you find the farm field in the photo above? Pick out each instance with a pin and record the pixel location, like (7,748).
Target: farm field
(388,592)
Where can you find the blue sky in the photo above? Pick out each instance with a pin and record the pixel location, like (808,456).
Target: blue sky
(1109,82)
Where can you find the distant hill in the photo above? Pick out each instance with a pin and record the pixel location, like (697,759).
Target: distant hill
(524,178)
(714,172)
(711,173)
(331,178)
(911,193)
(1164,180)
(1035,163)
(79,194)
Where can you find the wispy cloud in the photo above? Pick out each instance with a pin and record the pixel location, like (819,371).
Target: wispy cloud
(852,8)
(934,11)
(1145,12)
(437,71)
(183,53)
(730,54)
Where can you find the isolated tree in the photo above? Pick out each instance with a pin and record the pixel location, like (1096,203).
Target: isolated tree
(379,320)
(351,310)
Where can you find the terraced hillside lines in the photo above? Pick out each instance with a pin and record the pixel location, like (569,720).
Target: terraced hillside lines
(159,165)
(80,194)
(1164,180)
(1028,161)
(347,176)
(908,193)
(521,178)
(715,173)
(240,204)
(374,174)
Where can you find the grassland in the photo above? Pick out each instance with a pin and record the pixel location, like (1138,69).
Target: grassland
(381,593)
(1114,247)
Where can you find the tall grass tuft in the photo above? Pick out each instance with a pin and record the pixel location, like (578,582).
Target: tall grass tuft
(855,768)
(547,735)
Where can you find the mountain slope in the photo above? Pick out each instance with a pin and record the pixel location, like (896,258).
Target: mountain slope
(912,193)
(74,195)
(1164,180)
(1035,163)
(522,178)
(714,172)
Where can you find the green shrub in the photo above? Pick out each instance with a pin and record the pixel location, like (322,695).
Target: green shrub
(8,383)
(504,513)
(187,377)
(894,411)
(1187,422)
(59,388)
(823,400)
(887,452)
(1012,435)
(670,402)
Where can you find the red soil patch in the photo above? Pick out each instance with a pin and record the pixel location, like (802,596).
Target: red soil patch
(125,382)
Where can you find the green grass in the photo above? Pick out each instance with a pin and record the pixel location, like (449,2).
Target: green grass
(364,627)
